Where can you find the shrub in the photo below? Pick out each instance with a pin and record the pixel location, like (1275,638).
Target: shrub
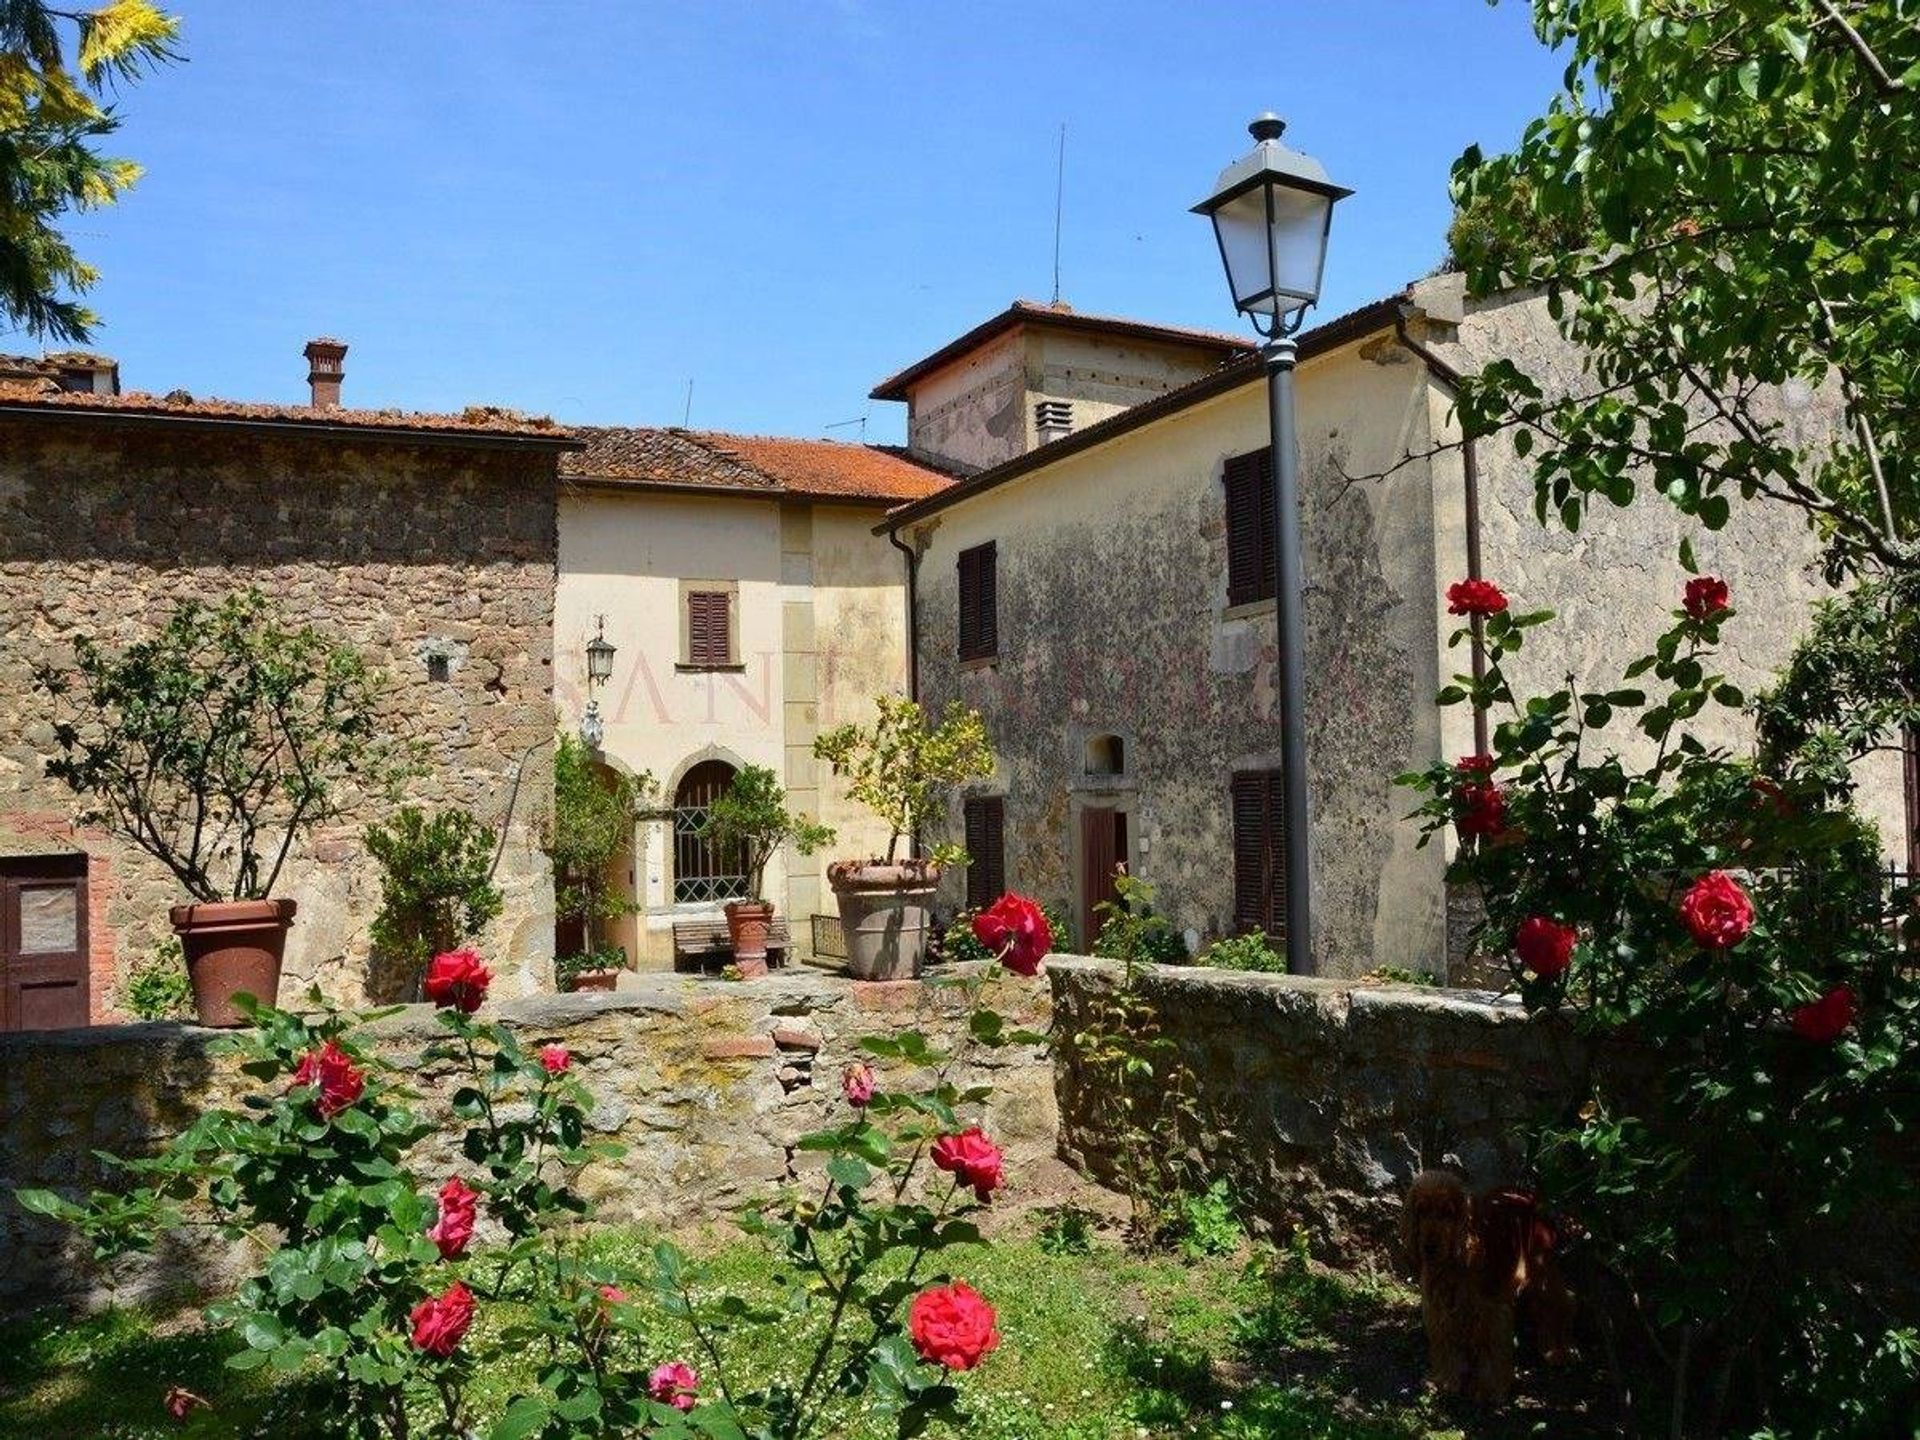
(436,887)
(220,742)
(1208,1223)
(752,814)
(591,823)
(158,988)
(902,767)
(1720,938)
(1245,952)
(1131,930)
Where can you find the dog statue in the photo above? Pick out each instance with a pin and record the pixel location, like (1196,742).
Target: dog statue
(1482,1261)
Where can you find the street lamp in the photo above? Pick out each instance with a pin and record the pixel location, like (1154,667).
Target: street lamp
(1271,211)
(599,671)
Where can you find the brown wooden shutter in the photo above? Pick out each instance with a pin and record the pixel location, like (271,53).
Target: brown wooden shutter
(979,603)
(986,846)
(1259,854)
(709,631)
(1250,527)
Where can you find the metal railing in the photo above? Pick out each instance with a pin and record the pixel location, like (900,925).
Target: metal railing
(829,940)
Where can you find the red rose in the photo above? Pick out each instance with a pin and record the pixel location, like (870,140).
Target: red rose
(676,1384)
(1717,911)
(439,1321)
(340,1081)
(181,1402)
(952,1325)
(1479,809)
(1544,946)
(459,1205)
(857,1084)
(1016,930)
(555,1060)
(1475,597)
(1706,597)
(1825,1020)
(458,979)
(612,1295)
(1474,767)
(971,1158)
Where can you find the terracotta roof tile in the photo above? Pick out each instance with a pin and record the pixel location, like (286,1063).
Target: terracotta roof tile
(707,459)
(477,420)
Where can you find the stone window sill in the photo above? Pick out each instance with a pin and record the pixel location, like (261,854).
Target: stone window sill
(1253,609)
(980,662)
(686,667)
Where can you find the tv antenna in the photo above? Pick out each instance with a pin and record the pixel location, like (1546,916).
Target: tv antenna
(1059,205)
(860,420)
(686,411)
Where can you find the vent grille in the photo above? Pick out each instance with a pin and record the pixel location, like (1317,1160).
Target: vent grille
(1053,419)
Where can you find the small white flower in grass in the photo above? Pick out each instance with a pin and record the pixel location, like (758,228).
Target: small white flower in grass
(1226,1404)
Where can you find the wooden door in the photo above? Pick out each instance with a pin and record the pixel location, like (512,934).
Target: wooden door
(1103,848)
(43,943)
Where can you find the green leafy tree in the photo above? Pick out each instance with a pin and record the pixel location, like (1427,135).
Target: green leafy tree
(53,114)
(436,886)
(216,744)
(594,812)
(752,814)
(902,767)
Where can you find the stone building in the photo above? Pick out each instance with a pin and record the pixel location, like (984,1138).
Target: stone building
(1102,599)
(428,541)
(750,605)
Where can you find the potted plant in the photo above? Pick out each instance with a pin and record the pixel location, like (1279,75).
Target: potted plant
(436,893)
(902,768)
(589,827)
(215,746)
(590,969)
(752,814)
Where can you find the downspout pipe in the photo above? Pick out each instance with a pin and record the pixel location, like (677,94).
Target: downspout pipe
(1441,371)
(913,613)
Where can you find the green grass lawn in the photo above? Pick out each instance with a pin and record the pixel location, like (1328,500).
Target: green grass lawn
(1095,1344)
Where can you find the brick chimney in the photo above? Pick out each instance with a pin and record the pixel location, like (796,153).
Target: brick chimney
(326,368)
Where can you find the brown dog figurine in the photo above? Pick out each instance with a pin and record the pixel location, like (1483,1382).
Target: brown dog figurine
(1480,1261)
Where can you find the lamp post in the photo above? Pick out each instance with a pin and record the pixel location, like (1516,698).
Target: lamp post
(599,670)
(1271,211)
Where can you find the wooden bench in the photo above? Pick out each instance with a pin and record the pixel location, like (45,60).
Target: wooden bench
(707,945)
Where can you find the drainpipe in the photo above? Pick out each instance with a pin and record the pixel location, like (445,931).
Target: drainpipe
(1470,470)
(913,613)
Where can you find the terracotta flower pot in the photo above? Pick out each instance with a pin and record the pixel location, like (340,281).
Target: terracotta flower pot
(232,946)
(886,913)
(594,980)
(748,922)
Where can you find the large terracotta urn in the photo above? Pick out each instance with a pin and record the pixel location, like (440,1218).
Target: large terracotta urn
(232,946)
(748,924)
(886,915)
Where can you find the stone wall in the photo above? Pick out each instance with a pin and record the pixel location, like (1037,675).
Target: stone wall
(708,1084)
(407,551)
(1319,1100)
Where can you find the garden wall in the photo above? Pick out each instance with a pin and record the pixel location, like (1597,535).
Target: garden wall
(1318,1099)
(708,1084)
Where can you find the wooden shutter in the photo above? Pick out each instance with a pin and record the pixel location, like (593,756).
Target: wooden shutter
(979,603)
(709,628)
(1259,854)
(1250,527)
(986,846)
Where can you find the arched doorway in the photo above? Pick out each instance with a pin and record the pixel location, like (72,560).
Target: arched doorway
(703,873)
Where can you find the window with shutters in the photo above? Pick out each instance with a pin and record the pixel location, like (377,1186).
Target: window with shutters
(1250,526)
(1259,854)
(986,848)
(709,632)
(979,604)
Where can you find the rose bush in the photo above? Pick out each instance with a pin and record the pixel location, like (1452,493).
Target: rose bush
(375,1287)
(1718,929)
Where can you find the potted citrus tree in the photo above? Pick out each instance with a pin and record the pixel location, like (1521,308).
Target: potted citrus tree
(589,827)
(902,767)
(752,814)
(215,746)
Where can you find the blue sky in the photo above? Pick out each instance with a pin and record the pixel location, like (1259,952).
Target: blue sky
(574,208)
